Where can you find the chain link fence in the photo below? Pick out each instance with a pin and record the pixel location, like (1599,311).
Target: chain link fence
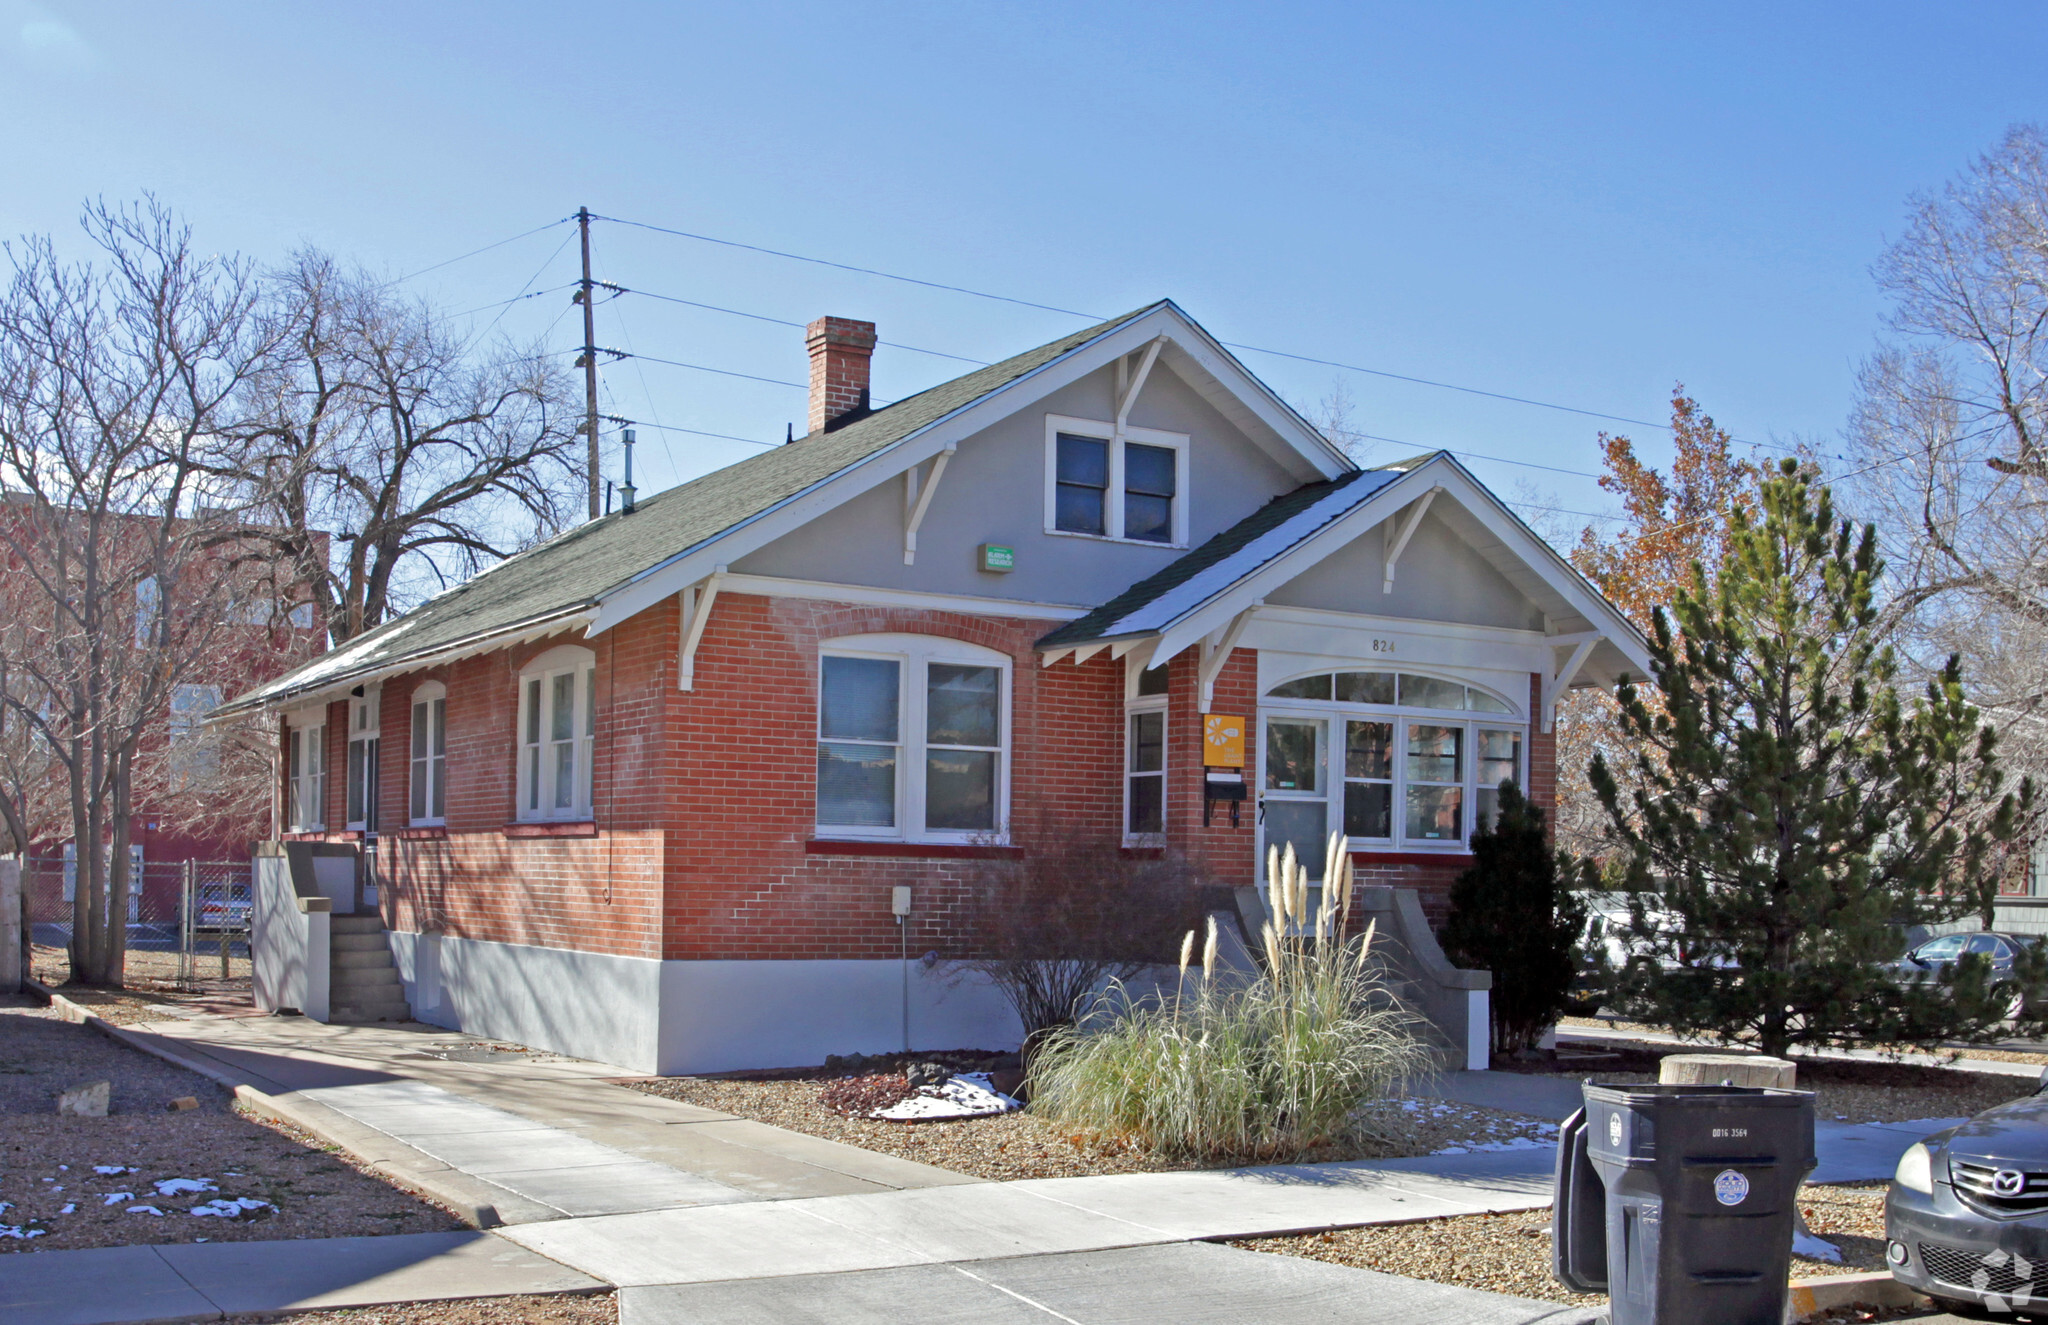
(188,921)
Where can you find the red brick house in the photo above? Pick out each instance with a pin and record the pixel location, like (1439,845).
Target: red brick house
(644,791)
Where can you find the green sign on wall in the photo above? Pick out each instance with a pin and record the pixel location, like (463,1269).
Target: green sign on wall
(994,556)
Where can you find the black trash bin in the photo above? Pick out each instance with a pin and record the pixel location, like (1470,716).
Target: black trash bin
(1679,1201)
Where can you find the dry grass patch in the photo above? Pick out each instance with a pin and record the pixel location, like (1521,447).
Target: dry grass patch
(563,1309)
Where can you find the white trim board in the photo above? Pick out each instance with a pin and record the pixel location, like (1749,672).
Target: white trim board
(771,586)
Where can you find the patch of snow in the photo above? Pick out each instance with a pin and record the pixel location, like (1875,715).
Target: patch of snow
(105,1170)
(115,1198)
(232,1208)
(145,1210)
(967,1095)
(181,1186)
(1815,1248)
(19,1231)
(71,1208)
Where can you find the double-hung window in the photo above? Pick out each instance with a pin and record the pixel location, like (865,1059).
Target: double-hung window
(364,719)
(1145,760)
(557,734)
(306,774)
(912,739)
(427,783)
(1132,488)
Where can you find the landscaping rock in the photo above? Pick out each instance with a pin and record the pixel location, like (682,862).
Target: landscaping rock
(928,1074)
(1008,1081)
(850,1064)
(85,1101)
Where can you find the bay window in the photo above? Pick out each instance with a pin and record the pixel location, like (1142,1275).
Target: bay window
(1394,761)
(557,734)
(427,783)
(912,739)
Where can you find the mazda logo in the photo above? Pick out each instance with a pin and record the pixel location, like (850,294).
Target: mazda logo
(2008,1182)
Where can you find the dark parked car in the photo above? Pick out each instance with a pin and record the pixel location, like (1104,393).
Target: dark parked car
(1966,1219)
(1934,958)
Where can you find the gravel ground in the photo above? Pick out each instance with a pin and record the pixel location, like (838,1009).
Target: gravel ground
(1845,1090)
(1019,1145)
(1510,1253)
(47,1162)
(566,1309)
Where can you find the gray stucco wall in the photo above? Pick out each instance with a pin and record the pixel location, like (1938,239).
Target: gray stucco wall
(1438,578)
(994,492)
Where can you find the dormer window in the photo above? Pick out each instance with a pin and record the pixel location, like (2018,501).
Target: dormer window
(1132,488)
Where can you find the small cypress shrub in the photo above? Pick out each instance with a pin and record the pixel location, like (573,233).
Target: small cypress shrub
(1513,913)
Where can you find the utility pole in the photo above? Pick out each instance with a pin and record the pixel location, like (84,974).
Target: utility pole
(584,292)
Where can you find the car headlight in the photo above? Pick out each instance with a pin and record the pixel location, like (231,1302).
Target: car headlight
(1916,1169)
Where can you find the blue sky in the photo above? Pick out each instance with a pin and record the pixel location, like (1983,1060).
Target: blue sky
(1575,203)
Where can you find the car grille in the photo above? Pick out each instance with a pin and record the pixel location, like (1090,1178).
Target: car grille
(1998,1272)
(1974,1182)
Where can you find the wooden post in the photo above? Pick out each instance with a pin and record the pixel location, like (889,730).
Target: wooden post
(1728,1069)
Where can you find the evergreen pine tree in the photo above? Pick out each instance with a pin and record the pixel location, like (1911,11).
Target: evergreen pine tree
(1796,812)
(1513,913)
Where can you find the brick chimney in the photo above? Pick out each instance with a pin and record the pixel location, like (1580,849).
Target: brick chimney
(840,349)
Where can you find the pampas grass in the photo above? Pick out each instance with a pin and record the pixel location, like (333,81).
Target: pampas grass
(1261,1069)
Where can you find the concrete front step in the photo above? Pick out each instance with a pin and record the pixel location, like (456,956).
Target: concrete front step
(341,958)
(360,1013)
(362,977)
(374,941)
(368,922)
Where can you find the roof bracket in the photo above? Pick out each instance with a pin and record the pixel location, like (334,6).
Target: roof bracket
(1217,654)
(1127,395)
(1555,685)
(693,606)
(1397,539)
(917,499)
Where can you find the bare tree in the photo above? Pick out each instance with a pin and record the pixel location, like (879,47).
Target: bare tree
(120,578)
(427,455)
(1949,433)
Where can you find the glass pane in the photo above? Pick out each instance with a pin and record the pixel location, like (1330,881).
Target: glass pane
(440,727)
(1369,809)
(562,712)
(1944,949)
(857,786)
(356,772)
(422,717)
(1078,510)
(1500,757)
(1152,681)
(858,699)
(1148,469)
(1482,702)
(417,801)
(1435,813)
(439,782)
(1306,825)
(961,705)
(533,776)
(1369,749)
(1435,754)
(565,775)
(1148,742)
(293,764)
(1148,805)
(1426,692)
(1148,518)
(1291,755)
(1307,687)
(1486,804)
(533,711)
(960,789)
(1365,687)
(590,702)
(1083,460)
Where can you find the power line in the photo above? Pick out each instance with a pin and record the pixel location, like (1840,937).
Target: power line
(473,252)
(1480,455)
(785,322)
(536,294)
(546,262)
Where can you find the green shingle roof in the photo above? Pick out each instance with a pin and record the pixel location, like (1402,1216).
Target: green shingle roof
(578,568)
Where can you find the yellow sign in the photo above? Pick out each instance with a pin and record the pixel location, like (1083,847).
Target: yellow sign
(1222,741)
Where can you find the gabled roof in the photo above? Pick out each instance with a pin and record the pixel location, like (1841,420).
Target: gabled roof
(1282,524)
(573,571)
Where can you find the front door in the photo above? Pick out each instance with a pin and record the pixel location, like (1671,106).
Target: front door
(1294,796)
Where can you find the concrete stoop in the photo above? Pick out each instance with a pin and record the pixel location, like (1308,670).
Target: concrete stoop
(363,984)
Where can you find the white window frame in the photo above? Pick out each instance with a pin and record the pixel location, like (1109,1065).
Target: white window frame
(427,768)
(306,772)
(914,654)
(536,781)
(192,757)
(365,722)
(1146,704)
(1334,713)
(1113,497)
